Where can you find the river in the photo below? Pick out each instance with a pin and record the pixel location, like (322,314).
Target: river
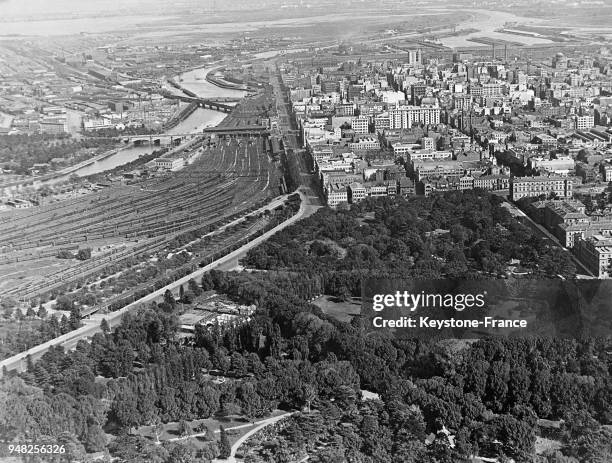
(196,82)
(487,22)
(195,123)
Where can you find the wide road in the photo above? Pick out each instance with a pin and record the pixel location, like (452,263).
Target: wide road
(289,132)
(310,204)
(92,326)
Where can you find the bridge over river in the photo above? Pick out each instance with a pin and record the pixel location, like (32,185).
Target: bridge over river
(217,104)
(159,139)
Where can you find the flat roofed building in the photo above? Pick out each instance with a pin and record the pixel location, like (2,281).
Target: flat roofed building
(356,192)
(53,127)
(584,122)
(429,155)
(336,194)
(361,124)
(529,187)
(339,178)
(596,255)
(492,182)
(443,168)
(364,144)
(560,165)
(402,149)
(382,122)
(571,232)
(404,117)
(169,163)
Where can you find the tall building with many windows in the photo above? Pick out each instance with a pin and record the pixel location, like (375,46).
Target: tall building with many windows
(361,124)
(584,122)
(404,117)
(415,57)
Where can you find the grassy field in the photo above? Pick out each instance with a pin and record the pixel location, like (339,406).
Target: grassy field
(340,310)
(170,430)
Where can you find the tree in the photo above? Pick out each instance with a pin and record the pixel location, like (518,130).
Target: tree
(203,429)
(74,449)
(238,364)
(194,288)
(65,326)
(75,318)
(207,282)
(169,299)
(95,440)
(42,312)
(344,293)
(137,449)
(225,448)
(230,408)
(180,453)
(157,427)
(63,303)
(42,375)
(64,254)
(30,312)
(104,326)
(184,429)
(594,447)
(251,402)
(84,254)
(189,297)
(309,393)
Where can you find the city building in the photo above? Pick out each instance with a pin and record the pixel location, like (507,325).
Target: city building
(366,143)
(428,143)
(596,255)
(584,122)
(356,192)
(361,124)
(561,165)
(529,187)
(492,182)
(169,163)
(404,117)
(53,126)
(336,194)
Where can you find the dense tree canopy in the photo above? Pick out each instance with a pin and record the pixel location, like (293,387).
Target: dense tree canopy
(464,234)
(436,403)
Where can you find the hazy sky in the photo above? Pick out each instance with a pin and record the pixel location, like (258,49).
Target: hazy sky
(53,9)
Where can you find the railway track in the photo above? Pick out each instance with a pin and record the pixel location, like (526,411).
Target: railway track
(177,198)
(152,213)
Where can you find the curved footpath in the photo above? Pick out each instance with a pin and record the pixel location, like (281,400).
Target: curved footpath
(92,326)
(261,424)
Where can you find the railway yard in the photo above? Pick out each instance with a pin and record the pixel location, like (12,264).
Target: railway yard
(138,231)
(250,112)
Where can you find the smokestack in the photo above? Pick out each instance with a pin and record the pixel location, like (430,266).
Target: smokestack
(506,52)
(493,51)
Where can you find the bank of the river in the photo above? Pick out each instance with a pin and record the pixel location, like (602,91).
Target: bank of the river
(196,122)
(195,81)
(486,23)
